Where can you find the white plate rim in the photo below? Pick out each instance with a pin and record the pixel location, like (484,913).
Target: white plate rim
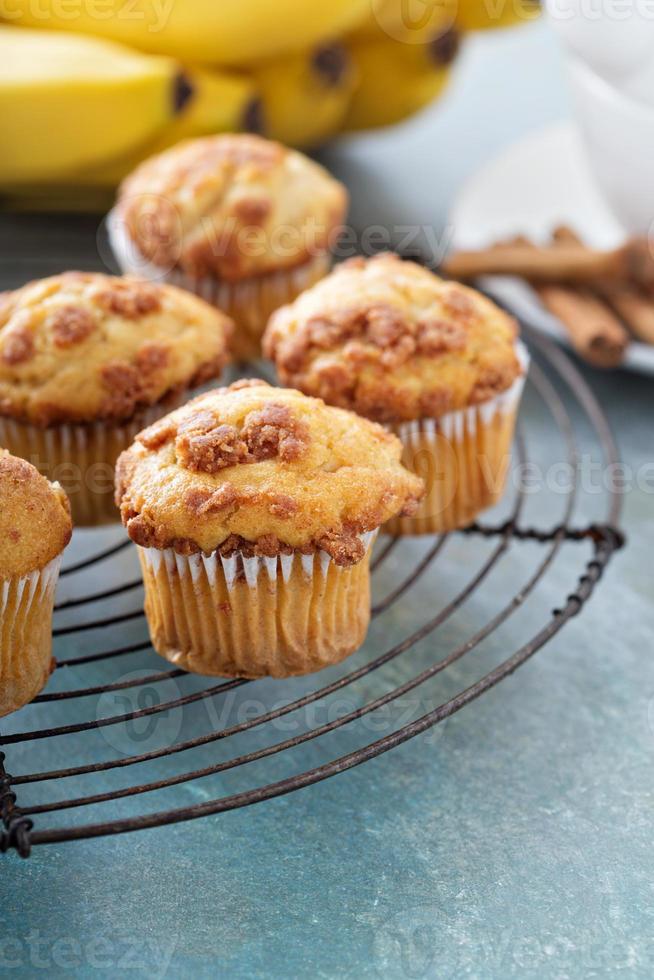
(557,141)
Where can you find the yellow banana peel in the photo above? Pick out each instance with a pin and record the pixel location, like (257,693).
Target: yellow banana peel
(213,32)
(305,97)
(396,79)
(68,102)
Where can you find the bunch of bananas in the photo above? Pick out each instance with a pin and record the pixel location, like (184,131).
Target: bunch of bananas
(90,87)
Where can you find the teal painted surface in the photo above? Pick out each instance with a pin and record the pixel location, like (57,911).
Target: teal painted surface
(513,841)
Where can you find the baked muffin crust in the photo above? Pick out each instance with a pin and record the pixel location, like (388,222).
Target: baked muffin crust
(393,342)
(35,524)
(263,470)
(232,206)
(81,347)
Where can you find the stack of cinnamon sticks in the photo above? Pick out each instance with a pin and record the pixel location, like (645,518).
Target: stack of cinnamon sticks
(603,298)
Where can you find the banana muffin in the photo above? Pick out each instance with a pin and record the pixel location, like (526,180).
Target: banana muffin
(241,221)
(435,361)
(254,509)
(86,362)
(35,527)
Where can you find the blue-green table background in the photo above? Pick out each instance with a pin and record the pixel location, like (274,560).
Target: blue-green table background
(515,843)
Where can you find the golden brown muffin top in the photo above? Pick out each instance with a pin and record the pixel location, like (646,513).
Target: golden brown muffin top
(35,524)
(394,342)
(264,470)
(83,346)
(230,206)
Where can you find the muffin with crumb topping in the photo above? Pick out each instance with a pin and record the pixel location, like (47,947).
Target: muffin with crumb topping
(254,509)
(435,361)
(242,221)
(35,527)
(86,362)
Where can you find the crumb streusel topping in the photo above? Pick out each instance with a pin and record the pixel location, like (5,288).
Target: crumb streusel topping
(232,206)
(35,524)
(265,471)
(393,342)
(81,347)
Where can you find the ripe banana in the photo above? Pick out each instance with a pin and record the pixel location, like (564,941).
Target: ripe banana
(68,102)
(221,102)
(482,15)
(305,97)
(397,79)
(214,32)
(411,21)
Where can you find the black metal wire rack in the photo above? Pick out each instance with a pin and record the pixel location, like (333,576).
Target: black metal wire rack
(83,788)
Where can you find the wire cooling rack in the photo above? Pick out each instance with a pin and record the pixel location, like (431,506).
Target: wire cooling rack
(84,769)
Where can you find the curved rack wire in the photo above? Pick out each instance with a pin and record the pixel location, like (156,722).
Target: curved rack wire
(24,826)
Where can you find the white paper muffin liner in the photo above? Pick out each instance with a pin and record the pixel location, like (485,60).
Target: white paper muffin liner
(81,457)
(26,605)
(239,568)
(453,425)
(463,457)
(254,616)
(249,302)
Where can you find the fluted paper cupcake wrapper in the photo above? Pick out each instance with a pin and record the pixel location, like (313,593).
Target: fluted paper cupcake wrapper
(255,617)
(249,302)
(81,458)
(26,605)
(463,458)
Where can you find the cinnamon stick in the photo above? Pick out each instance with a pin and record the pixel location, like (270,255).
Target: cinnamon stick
(594,331)
(568,263)
(636,310)
(631,304)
